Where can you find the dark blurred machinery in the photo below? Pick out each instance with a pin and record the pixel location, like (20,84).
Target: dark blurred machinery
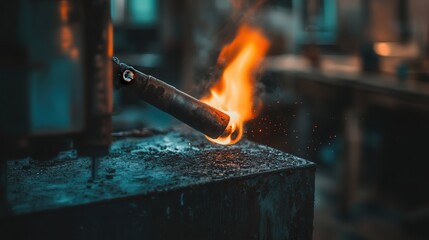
(56,57)
(56,66)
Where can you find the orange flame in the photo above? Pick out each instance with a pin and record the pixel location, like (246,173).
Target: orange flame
(233,93)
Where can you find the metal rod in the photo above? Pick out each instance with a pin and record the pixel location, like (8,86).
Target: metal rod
(96,137)
(200,116)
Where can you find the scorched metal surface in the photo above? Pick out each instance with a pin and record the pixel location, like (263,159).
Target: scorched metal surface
(175,185)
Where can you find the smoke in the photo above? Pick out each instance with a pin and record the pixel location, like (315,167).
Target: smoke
(215,26)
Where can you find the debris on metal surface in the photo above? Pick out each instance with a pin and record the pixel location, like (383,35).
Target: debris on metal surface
(174,184)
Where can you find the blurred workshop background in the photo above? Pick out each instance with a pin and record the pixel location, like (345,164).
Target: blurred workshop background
(346,85)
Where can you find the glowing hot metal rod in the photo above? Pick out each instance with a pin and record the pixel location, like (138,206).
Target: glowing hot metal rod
(198,115)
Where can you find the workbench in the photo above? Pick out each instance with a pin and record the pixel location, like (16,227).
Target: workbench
(170,185)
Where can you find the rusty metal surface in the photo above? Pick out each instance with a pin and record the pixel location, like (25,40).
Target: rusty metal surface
(182,106)
(96,137)
(167,185)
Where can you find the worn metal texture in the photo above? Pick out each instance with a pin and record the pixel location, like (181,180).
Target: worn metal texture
(96,137)
(168,186)
(182,106)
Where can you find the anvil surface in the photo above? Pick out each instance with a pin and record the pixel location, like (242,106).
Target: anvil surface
(174,185)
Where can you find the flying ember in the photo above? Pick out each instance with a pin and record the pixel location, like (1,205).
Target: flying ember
(233,93)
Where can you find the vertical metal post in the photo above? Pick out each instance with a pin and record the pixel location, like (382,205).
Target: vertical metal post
(96,138)
(351,165)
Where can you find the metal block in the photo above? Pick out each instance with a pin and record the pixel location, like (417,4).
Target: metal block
(167,186)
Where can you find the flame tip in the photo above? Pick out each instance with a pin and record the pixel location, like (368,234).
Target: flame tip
(233,93)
